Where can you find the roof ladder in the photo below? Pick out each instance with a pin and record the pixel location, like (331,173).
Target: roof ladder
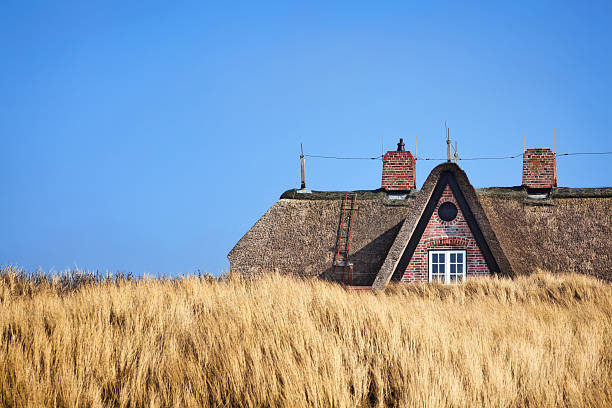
(343,269)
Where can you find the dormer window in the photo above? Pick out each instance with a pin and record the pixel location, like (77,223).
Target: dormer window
(447,266)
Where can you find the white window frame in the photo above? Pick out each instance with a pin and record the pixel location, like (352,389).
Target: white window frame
(447,262)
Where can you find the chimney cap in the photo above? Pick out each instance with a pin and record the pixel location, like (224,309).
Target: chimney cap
(400,145)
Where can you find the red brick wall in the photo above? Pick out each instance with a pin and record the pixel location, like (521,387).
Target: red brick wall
(440,234)
(539,168)
(398,171)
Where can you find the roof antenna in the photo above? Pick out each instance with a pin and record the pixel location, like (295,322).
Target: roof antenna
(303,189)
(448,144)
(456,154)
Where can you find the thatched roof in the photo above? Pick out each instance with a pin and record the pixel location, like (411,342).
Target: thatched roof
(298,236)
(571,230)
(572,234)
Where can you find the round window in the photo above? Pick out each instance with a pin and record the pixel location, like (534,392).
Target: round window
(447,211)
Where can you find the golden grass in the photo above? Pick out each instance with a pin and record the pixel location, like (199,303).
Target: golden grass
(542,340)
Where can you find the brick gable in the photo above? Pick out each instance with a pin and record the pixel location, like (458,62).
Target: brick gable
(439,234)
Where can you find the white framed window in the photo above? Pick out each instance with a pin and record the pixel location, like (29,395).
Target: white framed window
(447,266)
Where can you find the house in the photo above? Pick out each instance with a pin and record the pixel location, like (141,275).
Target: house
(447,231)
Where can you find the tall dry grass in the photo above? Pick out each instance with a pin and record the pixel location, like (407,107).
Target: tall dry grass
(276,341)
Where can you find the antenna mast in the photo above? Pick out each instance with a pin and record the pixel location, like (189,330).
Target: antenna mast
(448,145)
(303,167)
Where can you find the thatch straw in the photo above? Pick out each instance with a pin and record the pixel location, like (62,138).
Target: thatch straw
(299,237)
(571,231)
(570,235)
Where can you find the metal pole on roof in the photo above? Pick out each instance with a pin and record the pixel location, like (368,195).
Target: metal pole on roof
(456,154)
(303,167)
(448,143)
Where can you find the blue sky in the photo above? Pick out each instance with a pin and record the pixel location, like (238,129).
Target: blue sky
(148,139)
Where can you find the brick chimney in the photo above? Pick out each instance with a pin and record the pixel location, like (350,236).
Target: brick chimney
(539,168)
(398,170)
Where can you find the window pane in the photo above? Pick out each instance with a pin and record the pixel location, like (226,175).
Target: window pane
(439,260)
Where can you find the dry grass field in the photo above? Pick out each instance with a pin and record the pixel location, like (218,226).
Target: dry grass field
(75,341)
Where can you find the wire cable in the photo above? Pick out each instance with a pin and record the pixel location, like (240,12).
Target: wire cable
(491,158)
(459,158)
(575,154)
(342,158)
